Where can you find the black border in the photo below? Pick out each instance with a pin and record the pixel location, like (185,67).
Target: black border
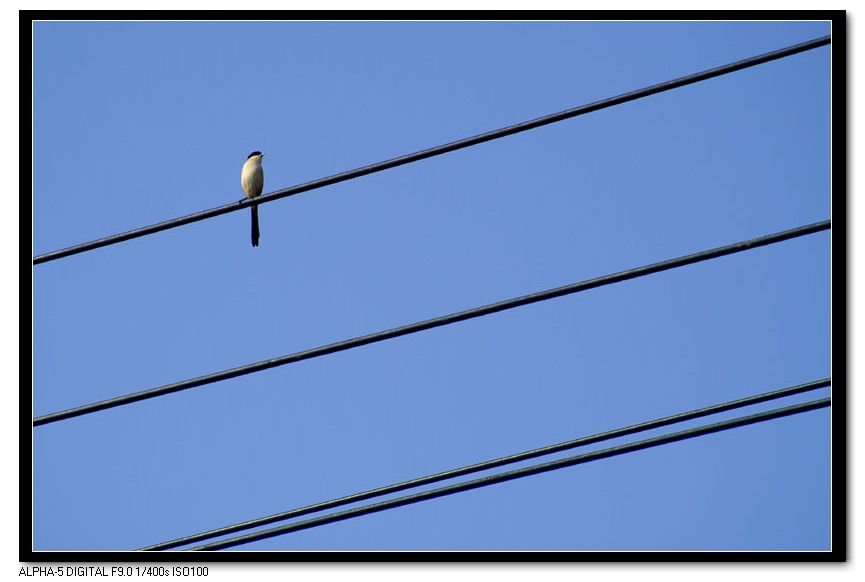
(839,455)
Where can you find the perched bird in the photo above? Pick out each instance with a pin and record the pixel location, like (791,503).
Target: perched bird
(252,182)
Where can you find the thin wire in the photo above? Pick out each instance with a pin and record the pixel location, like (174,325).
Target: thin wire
(442,149)
(518,473)
(436,322)
(491,464)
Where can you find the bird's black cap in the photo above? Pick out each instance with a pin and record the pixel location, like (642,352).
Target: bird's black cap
(254,154)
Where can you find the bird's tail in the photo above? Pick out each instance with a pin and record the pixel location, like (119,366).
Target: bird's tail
(255,233)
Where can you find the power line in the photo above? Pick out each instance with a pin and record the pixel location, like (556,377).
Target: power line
(442,149)
(491,464)
(436,322)
(519,473)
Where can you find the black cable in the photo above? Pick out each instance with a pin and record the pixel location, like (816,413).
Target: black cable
(518,473)
(442,149)
(436,322)
(483,466)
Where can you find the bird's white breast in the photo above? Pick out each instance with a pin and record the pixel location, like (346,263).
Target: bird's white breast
(252,177)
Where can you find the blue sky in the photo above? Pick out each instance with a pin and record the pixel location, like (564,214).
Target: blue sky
(166,113)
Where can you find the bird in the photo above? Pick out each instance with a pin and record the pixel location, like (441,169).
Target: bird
(252,182)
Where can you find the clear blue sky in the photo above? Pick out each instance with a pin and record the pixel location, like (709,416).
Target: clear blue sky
(136,123)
